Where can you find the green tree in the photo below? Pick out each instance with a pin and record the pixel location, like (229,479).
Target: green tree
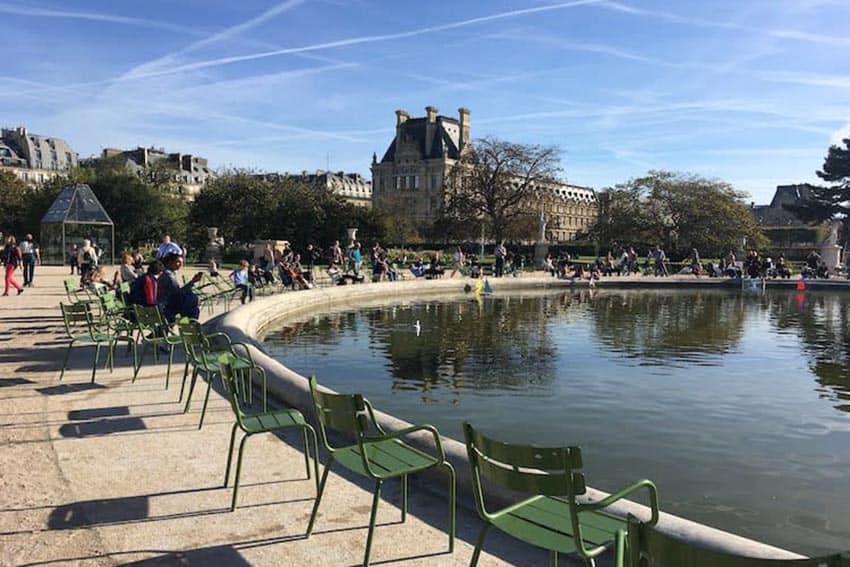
(497,181)
(832,201)
(246,207)
(678,211)
(13,213)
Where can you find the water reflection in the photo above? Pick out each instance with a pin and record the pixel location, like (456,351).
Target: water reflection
(678,386)
(659,328)
(822,323)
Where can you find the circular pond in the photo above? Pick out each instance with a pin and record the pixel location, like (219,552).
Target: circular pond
(735,403)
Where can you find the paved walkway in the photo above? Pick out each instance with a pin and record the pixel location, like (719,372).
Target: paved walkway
(114,473)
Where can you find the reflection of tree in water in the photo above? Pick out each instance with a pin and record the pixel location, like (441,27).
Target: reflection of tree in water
(502,344)
(822,321)
(668,329)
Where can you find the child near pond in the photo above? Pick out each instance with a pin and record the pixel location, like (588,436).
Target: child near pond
(240,281)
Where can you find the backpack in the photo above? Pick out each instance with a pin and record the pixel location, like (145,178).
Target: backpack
(142,289)
(87,257)
(10,255)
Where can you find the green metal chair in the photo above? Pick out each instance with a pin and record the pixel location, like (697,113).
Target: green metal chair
(378,455)
(551,518)
(73,290)
(648,547)
(81,328)
(154,330)
(264,422)
(203,352)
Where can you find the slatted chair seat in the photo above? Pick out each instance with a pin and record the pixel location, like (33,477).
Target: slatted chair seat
(546,522)
(272,420)
(390,457)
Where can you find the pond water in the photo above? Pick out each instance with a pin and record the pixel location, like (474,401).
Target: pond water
(736,404)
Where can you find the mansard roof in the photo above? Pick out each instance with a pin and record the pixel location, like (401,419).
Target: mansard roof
(416,129)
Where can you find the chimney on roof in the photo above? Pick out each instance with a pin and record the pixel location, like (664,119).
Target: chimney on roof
(401,117)
(430,127)
(464,127)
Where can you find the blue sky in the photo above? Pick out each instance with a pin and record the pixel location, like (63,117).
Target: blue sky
(750,92)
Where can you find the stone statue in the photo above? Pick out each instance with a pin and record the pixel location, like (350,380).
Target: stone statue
(542,221)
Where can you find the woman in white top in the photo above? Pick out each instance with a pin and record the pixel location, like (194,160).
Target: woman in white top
(459,260)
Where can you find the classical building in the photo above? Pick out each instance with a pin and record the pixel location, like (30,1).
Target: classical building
(568,209)
(190,172)
(352,187)
(417,163)
(418,160)
(32,157)
(775,214)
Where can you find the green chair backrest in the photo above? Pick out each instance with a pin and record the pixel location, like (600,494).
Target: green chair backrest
(124,291)
(78,319)
(149,318)
(110,303)
(72,286)
(194,342)
(341,412)
(227,375)
(542,471)
(648,547)
(548,471)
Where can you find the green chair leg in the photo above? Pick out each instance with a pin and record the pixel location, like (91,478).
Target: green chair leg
(185,376)
(553,559)
(315,456)
(265,394)
(65,362)
(230,454)
(375,499)
(478,544)
(452,505)
(195,373)
(306,451)
(96,358)
(319,497)
(404,498)
(238,472)
(206,400)
(141,359)
(170,359)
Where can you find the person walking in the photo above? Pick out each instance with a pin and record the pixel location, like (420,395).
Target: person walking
(356,258)
(30,254)
(458,260)
(86,260)
(501,252)
(12,259)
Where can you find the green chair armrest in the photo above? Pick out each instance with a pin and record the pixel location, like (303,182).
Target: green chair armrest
(371,411)
(653,499)
(413,429)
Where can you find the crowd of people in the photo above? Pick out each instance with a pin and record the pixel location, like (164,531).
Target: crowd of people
(156,282)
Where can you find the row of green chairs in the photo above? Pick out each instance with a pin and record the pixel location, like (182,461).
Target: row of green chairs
(553,516)
(119,323)
(377,455)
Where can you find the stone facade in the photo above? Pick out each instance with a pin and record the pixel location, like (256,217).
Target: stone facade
(32,157)
(418,162)
(190,172)
(352,187)
(775,214)
(419,159)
